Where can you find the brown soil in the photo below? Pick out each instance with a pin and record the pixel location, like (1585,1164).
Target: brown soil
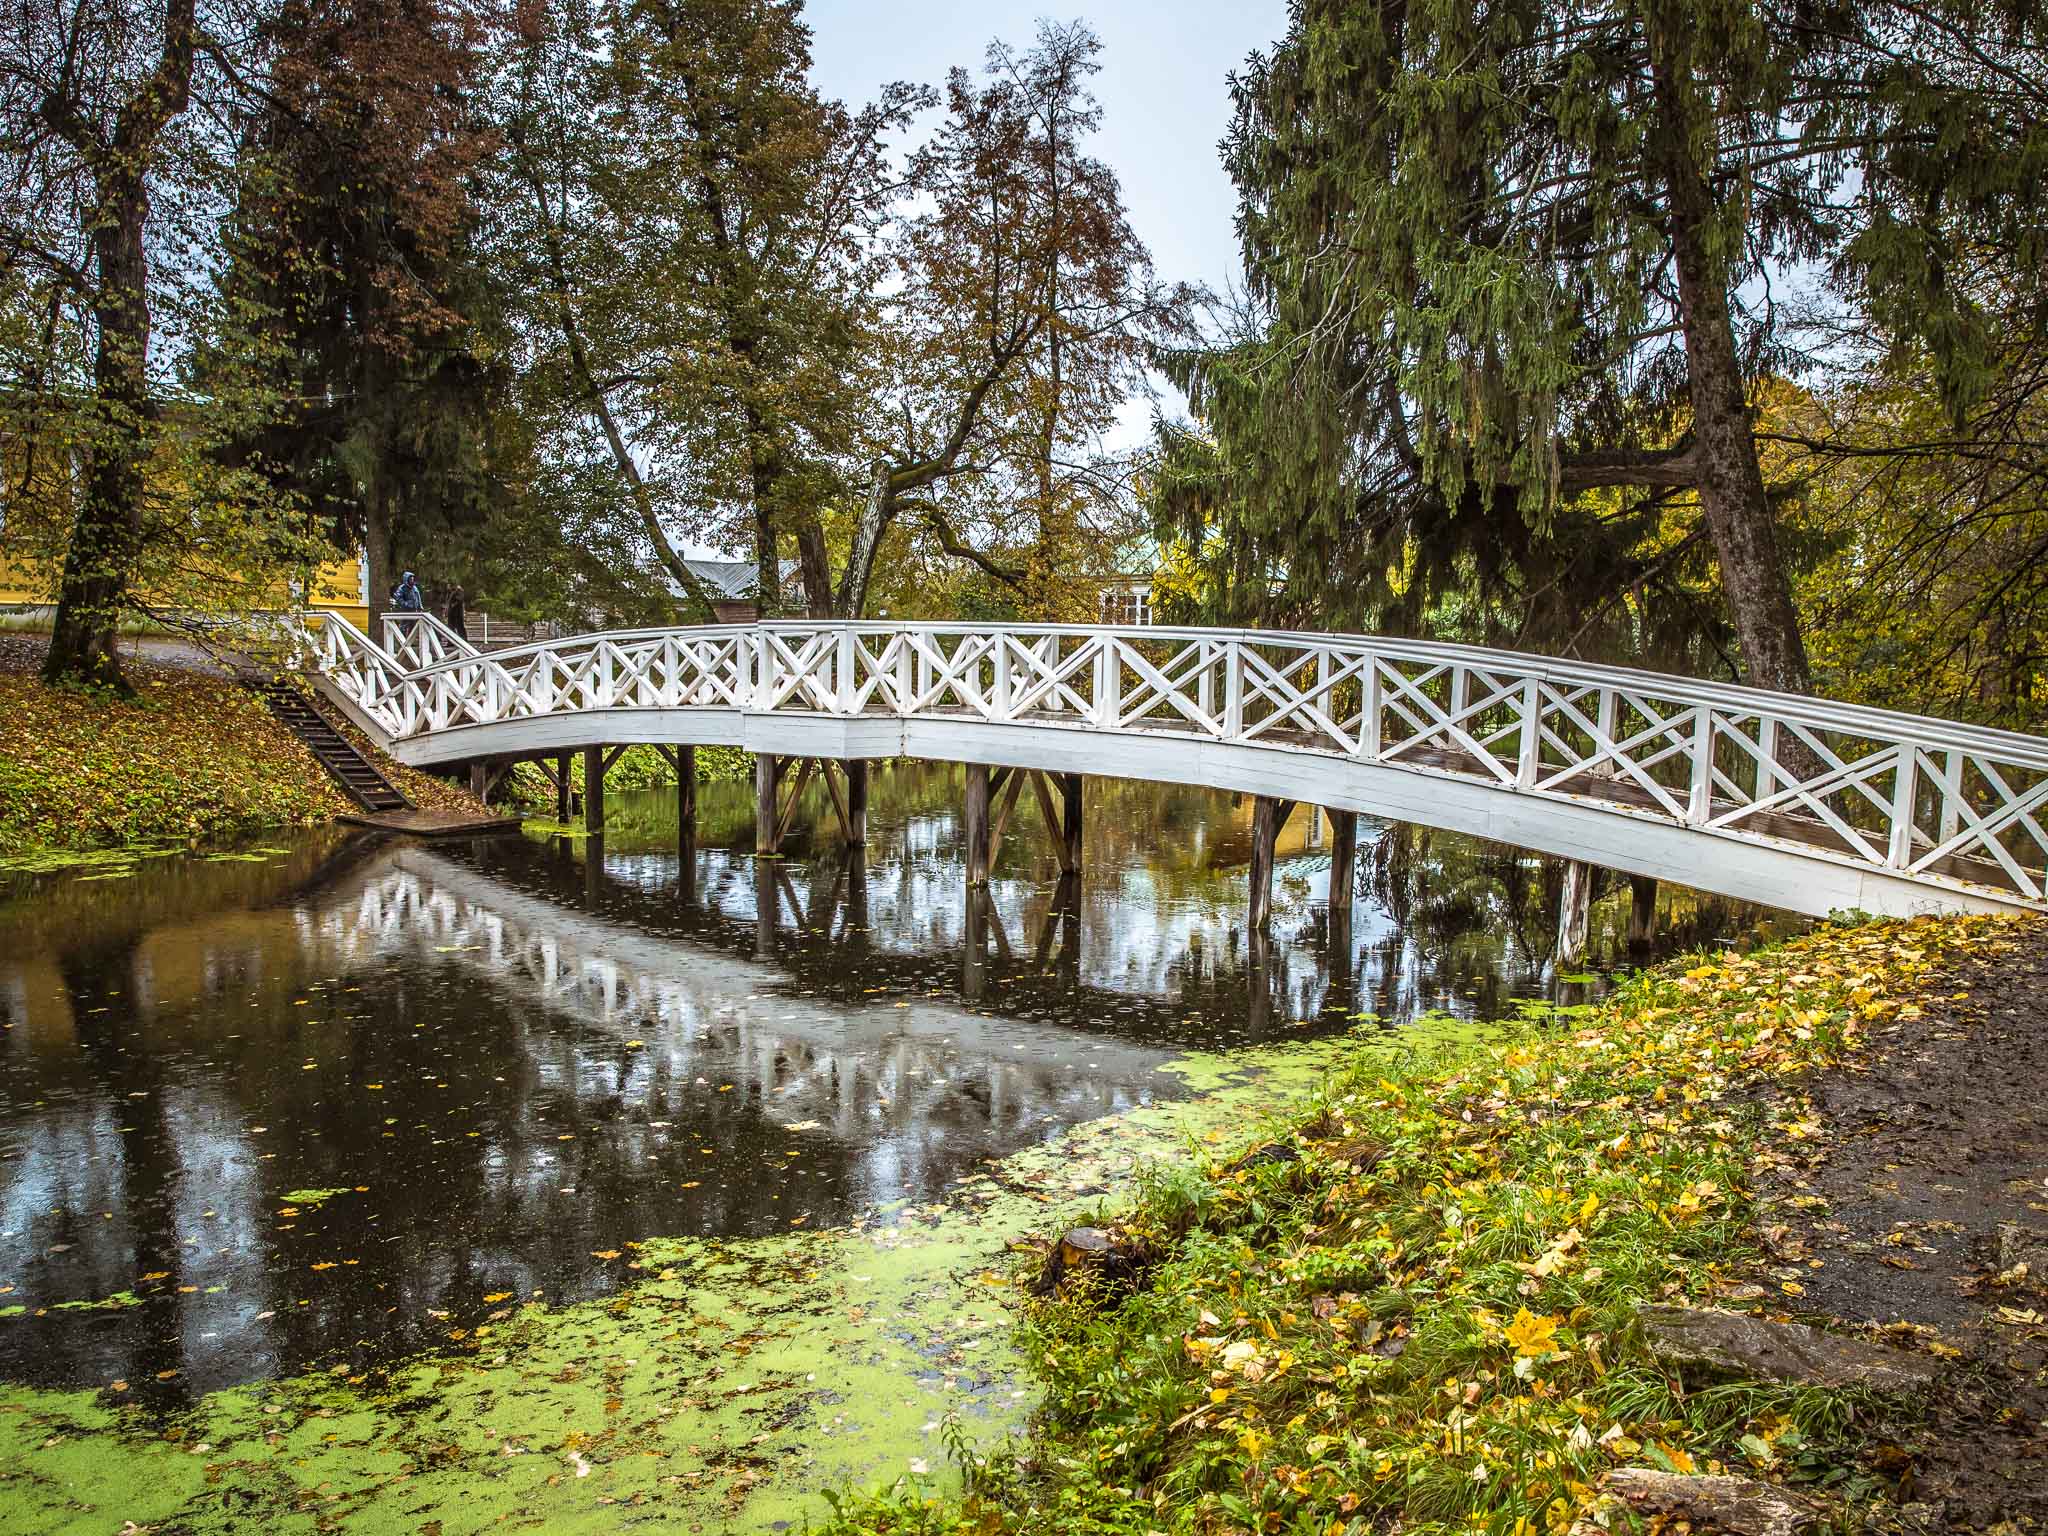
(1930,1142)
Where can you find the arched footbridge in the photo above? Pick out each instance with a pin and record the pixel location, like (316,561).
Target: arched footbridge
(1796,802)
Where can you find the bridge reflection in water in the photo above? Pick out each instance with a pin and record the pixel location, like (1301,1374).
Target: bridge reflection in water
(513,1083)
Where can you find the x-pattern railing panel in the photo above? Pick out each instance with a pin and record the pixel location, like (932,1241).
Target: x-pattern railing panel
(1917,797)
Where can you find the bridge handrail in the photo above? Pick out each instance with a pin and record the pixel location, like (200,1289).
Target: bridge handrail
(1815,709)
(418,638)
(1905,793)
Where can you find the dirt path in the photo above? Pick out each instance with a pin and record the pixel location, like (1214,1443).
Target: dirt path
(1927,1148)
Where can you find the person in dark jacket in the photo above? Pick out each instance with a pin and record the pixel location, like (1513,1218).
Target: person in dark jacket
(405,597)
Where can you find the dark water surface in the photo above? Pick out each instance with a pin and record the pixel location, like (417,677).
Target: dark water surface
(313,1104)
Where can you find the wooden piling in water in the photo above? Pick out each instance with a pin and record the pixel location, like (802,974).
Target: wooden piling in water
(1269,815)
(856,801)
(1343,859)
(1642,910)
(594,766)
(977,824)
(767,769)
(1574,914)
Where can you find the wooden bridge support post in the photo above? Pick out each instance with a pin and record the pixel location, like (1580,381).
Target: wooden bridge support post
(1642,911)
(1343,859)
(685,761)
(593,790)
(1268,817)
(1070,823)
(767,770)
(856,801)
(977,825)
(565,789)
(1574,914)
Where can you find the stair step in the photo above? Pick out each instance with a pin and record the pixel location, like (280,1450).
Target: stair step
(348,767)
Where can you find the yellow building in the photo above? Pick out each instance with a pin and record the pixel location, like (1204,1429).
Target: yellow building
(27,594)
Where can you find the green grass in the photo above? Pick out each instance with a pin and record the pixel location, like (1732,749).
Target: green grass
(638,767)
(1427,1315)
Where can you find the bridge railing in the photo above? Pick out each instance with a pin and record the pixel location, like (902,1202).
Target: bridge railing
(1901,792)
(420,640)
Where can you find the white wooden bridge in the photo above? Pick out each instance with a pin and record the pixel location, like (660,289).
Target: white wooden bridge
(1799,803)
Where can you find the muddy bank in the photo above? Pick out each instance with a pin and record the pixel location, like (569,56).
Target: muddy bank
(1917,1203)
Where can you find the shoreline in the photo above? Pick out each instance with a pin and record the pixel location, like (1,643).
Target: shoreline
(1374,1269)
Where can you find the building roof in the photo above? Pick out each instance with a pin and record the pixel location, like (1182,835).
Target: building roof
(733,580)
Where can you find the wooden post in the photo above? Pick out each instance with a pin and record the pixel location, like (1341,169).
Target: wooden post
(1268,817)
(480,778)
(1343,859)
(857,802)
(767,769)
(1070,822)
(1574,914)
(565,789)
(977,825)
(1642,911)
(593,791)
(686,794)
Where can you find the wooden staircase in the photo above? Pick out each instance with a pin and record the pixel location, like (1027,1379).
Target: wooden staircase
(356,774)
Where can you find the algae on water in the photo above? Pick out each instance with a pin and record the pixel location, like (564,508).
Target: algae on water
(725,1387)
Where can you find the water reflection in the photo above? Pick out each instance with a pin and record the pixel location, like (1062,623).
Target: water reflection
(328,1105)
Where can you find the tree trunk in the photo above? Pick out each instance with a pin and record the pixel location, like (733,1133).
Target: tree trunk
(867,543)
(377,552)
(693,590)
(762,471)
(107,529)
(815,568)
(1731,484)
(108,526)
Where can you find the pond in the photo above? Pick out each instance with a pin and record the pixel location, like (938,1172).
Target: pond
(326,1101)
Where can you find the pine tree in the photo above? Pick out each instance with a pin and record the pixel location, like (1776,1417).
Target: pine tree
(1505,255)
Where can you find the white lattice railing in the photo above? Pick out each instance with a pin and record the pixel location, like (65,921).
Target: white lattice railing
(417,640)
(1913,796)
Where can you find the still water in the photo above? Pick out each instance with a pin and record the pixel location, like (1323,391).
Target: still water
(318,1102)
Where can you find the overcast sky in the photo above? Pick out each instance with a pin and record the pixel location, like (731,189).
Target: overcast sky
(1162,87)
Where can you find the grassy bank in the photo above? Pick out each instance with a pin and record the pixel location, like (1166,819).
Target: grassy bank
(638,767)
(1416,1306)
(190,757)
